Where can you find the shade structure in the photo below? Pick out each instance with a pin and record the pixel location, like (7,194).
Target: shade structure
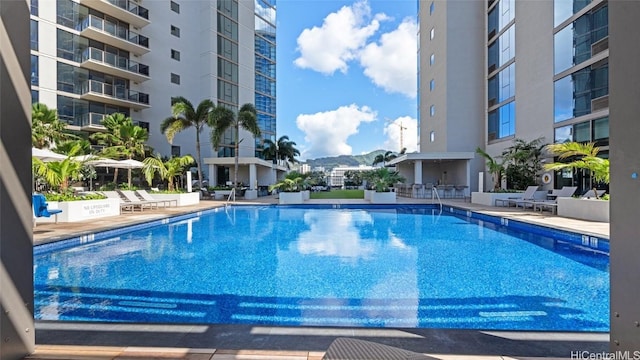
(46,155)
(118,164)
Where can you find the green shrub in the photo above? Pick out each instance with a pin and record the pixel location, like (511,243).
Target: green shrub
(71,197)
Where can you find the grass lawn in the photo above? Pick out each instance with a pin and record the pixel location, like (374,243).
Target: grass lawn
(338,194)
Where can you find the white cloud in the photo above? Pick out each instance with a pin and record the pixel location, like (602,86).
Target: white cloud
(392,63)
(342,35)
(409,134)
(326,133)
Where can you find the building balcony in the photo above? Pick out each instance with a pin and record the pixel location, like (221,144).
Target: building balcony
(125,10)
(91,122)
(98,29)
(102,61)
(98,91)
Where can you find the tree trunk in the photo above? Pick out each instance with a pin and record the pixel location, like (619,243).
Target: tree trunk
(199,159)
(115,176)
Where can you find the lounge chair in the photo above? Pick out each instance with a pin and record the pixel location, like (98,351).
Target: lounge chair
(527,195)
(131,198)
(591,194)
(148,197)
(347,348)
(552,205)
(41,208)
(124,205)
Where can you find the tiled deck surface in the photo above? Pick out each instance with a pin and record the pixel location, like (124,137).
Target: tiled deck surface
(58,340)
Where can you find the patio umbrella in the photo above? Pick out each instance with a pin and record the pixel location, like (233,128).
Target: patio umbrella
(46,155)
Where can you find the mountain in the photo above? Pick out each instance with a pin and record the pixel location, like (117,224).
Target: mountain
(345,160)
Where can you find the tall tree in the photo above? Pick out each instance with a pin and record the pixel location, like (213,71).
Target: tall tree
(222,119)
(495,168)
(184,116)
(384,159)
(46,128)
(283,149)
(523,161)
(123,140)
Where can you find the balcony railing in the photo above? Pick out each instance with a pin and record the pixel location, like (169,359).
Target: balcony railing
(115,61)
(114,30)
(131,7)
(115,92)
(90,120)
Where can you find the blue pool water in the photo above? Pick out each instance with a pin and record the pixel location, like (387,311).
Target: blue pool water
(408,267)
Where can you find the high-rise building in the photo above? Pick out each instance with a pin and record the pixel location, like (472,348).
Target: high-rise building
(497,70)
(91,58)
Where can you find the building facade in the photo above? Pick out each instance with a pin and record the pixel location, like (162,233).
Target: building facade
(92,58)
(497,70)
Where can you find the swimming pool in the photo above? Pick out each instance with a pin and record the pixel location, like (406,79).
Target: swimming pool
(315,266)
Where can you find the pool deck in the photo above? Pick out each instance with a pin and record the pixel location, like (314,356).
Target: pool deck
(60,340)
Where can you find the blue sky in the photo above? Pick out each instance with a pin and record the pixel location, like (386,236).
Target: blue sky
(346,75)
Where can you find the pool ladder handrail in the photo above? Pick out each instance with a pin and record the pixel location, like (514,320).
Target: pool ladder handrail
(231,194)
(434,190)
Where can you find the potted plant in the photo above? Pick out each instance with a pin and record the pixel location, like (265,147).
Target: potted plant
(290,189)
(383,180)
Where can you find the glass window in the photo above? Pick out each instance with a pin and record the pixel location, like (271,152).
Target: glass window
(34,7)
(432,84)
(175,151)
(227,92)
(229,8)
(34,70)
(175,31)
(431,8)
(175,7)
(35,96)
(34,35)
(501,15)
(502,50)
(502,121)
(71,79)
(175,54)
(502,86)
(574,94)
(563,134)
(564,9)
(227,27)
(600,130)
(582,132)
(432,59)
(432,110)
(266,11)
(71,111)
(580,40)
(265,66)
(227,70)
(432,33)
(432,136)
(175,78)
(227,49)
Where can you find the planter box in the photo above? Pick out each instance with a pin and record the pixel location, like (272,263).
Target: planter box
(183,199)
(383,197)
(221,194)
(306,194)
(584,209)
(291,198)
(367,194)
(73,211)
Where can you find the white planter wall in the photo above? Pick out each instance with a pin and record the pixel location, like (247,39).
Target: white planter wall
(73,211)
(183,199)
(367,194)
(489,199)
(585,209)
(291,198)
(383,197)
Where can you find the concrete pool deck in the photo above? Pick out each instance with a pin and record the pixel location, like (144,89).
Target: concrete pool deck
(65,340)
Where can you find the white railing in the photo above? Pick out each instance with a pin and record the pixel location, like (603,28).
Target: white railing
(232,194)
(434,190)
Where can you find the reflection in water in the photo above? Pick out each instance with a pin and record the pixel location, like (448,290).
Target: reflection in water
(335,234)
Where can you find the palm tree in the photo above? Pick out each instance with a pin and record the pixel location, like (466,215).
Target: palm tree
(523,161)
(581,156)
(124,139)
(283,149)
(380,158)
(167,170)
(46,128)
(495,168)
(221,119)
(58,173)
(185,117)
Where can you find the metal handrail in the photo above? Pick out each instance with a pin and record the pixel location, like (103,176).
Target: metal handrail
(435,190)
(232,193)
